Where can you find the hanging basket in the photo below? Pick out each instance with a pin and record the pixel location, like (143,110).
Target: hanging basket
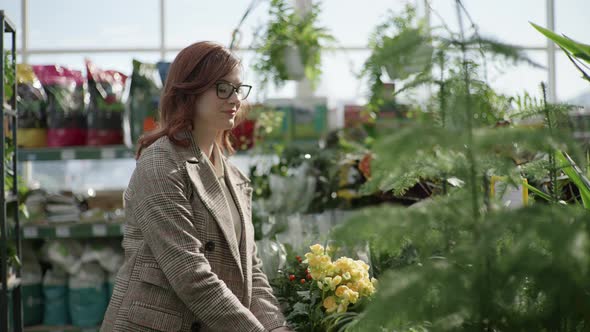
(294,64)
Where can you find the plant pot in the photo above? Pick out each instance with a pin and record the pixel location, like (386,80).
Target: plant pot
(294,64)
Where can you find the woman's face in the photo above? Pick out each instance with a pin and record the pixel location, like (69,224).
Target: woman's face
(214,113)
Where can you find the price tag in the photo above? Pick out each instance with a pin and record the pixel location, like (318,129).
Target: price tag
(62,231)
(99,230)
(31,232)
(107,153)
(68,154)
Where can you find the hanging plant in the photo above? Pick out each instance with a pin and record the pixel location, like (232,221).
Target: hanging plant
(290,45)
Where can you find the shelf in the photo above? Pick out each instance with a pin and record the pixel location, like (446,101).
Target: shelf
(8,25)
(41,328)
(72,230)
(75,153)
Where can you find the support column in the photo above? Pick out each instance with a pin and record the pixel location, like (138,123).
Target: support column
(551,73)
(162,30)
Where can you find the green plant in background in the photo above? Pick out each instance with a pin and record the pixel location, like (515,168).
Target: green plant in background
(395,46)
(405,51)
(413,56)
(544,169)
(9,76)
(576,52)
(459,261)
(569,167)
(268,122)
(23,193)
(290,34)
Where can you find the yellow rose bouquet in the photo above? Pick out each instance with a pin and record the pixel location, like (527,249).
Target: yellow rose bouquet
(342,282)
(319,294)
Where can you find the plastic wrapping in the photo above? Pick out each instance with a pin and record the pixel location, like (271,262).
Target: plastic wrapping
(66,104)
(55,293)
(32,287)
(87,295)
(273,256)
(109,257)
(144,99)
(64,254)
(303,230)
(297,184)
(163,68)
(32,103)
(106,108)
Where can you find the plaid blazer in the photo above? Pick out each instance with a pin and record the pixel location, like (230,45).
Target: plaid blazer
(184,268)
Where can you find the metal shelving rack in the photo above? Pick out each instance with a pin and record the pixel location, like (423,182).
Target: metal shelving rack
(9,110)
(76,153)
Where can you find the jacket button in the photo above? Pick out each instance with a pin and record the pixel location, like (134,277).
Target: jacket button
(195,327)
(210,246)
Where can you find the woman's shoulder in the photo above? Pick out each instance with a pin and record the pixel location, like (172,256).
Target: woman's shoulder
(160,155)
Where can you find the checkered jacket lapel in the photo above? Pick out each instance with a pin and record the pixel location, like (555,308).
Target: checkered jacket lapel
(211,194)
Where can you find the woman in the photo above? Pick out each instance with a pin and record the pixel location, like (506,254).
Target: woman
(190,257)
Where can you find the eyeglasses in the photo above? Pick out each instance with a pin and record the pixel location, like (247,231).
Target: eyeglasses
(225,90)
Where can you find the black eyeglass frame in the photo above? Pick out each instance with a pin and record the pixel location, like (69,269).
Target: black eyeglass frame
(234,89)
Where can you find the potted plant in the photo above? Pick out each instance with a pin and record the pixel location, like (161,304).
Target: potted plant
(290,45)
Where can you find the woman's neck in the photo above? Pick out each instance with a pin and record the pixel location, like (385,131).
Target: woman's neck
(206,141)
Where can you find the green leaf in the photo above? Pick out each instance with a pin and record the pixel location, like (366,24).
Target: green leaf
(579,50)
(538,192)
(575,174)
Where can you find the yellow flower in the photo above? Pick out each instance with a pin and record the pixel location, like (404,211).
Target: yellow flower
(341,290)
(317,249)
(356,274)
(346,276)
(313,261)
(316,275)
(342,307)
(363,265)
(330,304)
(351,296)
(335,282)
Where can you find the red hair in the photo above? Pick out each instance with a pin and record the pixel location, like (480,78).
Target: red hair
(194,70)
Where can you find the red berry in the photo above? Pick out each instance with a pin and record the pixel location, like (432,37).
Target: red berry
(306,271)
(302,281)
(291,277)
(298,258)
(308,276)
